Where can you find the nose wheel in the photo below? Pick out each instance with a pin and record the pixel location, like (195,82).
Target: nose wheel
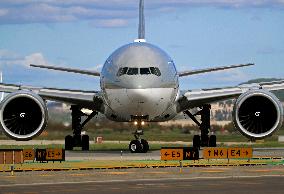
(138,145)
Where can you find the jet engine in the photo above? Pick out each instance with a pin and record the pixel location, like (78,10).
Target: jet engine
(23,115)
(257,114)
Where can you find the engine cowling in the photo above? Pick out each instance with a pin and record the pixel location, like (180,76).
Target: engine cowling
(257,114)
(23,115)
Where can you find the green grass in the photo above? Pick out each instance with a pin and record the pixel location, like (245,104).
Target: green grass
(155,146)
(150,134)
(127,136)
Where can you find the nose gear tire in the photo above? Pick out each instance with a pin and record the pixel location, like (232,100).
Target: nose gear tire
(145,146)
(135,146)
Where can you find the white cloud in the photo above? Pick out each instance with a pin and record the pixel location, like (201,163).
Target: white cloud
(110,23)
(8,58)
(35,58)
(110,13)
(215,79)
(234,75)
(3,12)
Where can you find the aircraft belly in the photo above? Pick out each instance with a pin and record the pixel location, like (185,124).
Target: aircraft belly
(141,102)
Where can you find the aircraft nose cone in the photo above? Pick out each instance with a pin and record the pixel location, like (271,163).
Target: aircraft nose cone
(140,83)
(138,95)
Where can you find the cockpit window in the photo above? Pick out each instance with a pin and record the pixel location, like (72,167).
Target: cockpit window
(156,71)
(122,71)
(145,71)
(132,71)
(142,71)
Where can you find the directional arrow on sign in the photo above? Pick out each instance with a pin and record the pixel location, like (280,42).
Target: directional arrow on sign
(166,154)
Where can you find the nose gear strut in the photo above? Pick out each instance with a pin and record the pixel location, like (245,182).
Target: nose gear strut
(138,145)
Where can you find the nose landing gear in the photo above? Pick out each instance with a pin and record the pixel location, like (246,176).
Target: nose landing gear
(138,145)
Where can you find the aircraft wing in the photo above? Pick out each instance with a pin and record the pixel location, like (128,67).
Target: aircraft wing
(195,98)
(79,71)
(198,71)
(86,99)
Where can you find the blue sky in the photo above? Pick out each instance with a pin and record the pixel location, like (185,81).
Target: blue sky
(196,34)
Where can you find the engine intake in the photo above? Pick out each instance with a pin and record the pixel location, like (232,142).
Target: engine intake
(257,114)
(23,115)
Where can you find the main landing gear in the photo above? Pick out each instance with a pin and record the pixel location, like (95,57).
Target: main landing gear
(138,145)
(204,140)
(78,140)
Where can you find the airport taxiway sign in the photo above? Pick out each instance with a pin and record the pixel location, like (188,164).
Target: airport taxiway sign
(215,153)
(227,153)
(239,152)
(171,154)
(54,154)
(184,153)
(50,155)
(28,154)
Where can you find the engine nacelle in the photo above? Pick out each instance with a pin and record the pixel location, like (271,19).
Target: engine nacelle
(23,115)
(257,114)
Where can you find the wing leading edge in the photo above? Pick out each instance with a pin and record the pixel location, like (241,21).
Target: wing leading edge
(196,98)
(86,99)
(79,71)
(199,71)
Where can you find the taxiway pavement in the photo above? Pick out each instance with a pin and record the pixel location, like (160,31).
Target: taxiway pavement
(231,179)
(166,181)
(152,155)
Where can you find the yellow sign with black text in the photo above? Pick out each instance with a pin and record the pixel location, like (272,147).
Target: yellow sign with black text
(215,153)
(28,154)
(227,153)
(239,153)
(180,153)
(54,154)
(171,154)
(50,155)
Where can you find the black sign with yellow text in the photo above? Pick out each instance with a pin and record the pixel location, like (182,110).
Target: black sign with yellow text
(176,153)
(50,155)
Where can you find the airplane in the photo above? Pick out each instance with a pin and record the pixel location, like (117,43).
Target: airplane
(140,83)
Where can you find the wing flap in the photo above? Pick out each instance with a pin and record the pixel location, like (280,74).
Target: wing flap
(273,86)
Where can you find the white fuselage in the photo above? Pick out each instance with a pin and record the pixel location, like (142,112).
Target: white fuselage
(139,80)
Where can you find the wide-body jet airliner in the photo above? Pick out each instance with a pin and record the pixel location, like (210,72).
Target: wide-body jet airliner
(140,83)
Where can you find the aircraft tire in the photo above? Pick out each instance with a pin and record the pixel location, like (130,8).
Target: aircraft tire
(196,141)
(85,143)
(204,140)
(68,142)
(145,146)
(212,141)
(135,146)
